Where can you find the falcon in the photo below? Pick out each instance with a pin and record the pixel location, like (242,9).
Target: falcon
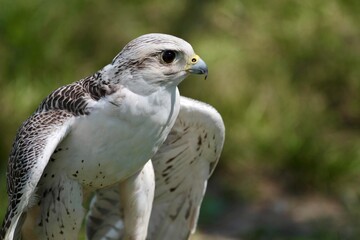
(125,134)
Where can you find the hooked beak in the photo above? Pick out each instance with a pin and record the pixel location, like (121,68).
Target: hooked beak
(197,66)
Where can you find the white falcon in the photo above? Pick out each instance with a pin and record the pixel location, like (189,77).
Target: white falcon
(98,134)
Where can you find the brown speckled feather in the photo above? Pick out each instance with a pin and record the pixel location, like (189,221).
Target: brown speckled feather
(33,138)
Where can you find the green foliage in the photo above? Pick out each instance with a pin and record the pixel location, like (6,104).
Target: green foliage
(285,75)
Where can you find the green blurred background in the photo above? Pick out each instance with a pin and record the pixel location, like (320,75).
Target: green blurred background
(285,76)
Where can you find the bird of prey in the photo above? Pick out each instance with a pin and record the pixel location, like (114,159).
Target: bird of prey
(127,135)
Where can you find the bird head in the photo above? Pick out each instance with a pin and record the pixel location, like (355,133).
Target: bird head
(154,61)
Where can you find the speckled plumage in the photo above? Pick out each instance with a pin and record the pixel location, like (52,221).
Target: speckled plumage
(63,104)
(94,133)
(182,167)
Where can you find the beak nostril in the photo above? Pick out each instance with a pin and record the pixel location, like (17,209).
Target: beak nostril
(194,60)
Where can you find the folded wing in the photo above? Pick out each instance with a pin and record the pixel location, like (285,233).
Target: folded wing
(35,142)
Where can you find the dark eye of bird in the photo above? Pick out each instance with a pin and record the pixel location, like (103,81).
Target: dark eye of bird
(168,56)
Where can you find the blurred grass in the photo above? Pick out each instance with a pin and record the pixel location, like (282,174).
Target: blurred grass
(285,75)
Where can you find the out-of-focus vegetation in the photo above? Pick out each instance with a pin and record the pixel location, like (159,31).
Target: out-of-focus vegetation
(285,75)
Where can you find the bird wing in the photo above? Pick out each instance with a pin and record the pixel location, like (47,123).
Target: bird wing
(182,167)
(35,142)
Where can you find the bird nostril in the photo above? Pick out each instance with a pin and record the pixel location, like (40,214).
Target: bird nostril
(194,60)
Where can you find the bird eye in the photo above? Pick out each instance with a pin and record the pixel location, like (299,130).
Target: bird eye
(168,56)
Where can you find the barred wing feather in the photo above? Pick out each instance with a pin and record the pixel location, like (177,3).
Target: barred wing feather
(35,142)
(182,167)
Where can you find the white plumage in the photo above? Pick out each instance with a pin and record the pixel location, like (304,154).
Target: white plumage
(182,167)
(99,134)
